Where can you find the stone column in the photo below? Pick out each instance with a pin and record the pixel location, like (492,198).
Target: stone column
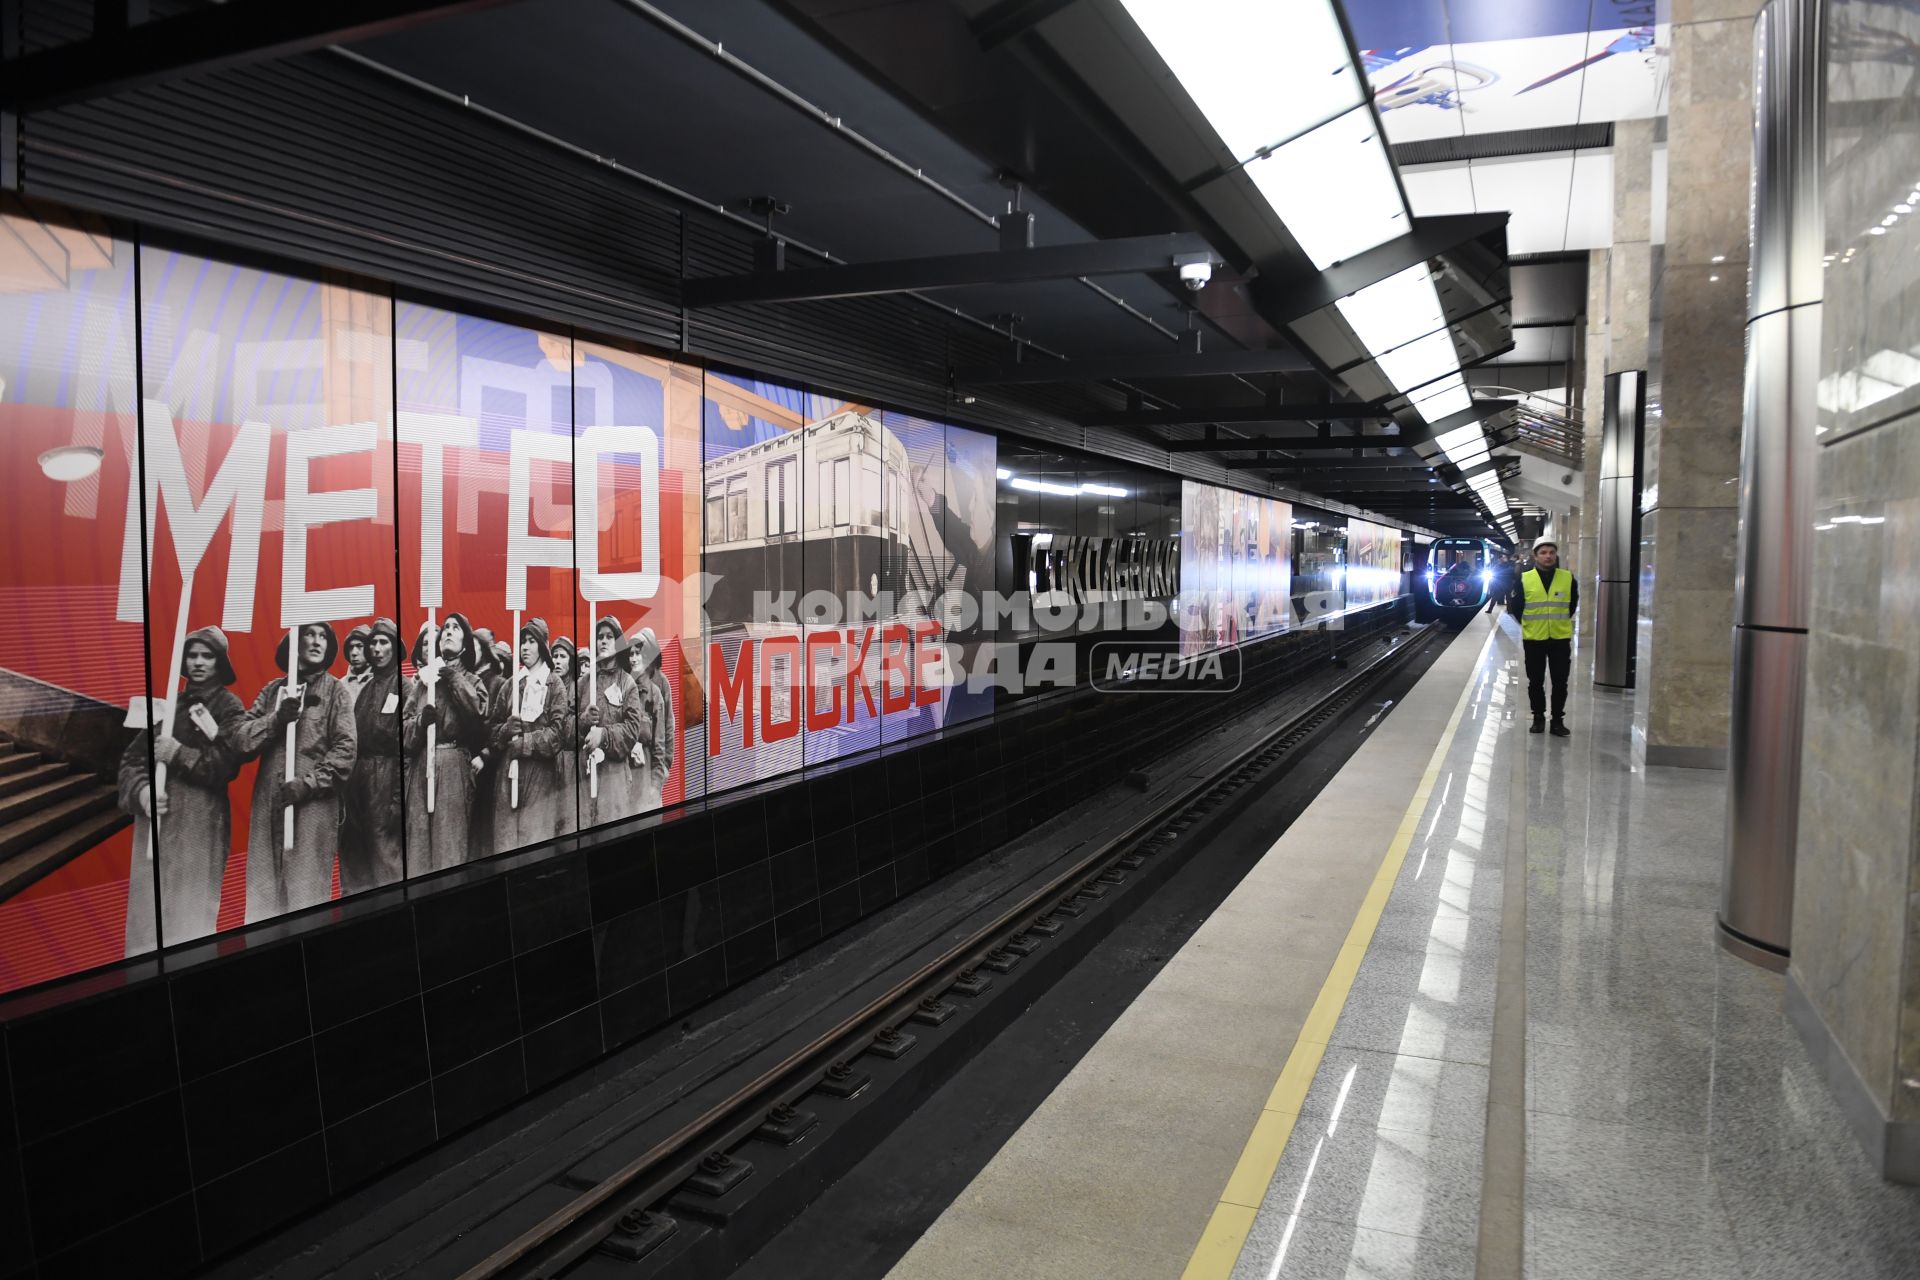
(1593,376)
(1630,266)
(1692,520)
(1853,986)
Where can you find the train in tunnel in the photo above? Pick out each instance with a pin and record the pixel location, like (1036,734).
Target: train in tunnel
(1455,582)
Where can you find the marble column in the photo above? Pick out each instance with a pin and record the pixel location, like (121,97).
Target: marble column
(1593,374)
(1691,519)
(1619,325)
(1854,979)
(1630,265)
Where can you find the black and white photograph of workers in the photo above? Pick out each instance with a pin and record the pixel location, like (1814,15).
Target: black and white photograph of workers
(567,686)
(359,665)
(651,756)
(283,877)
(611,725)
(491,658)
(372,819)
(445,729)
(183,833)
(532,801)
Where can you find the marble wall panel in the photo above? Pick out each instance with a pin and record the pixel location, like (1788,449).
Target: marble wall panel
(1703,339)
(1632,181)
(1684,11)
(1699,556)
(1872,168)
(1702,467)
(1856,820)
(1629,302)
(1856,929)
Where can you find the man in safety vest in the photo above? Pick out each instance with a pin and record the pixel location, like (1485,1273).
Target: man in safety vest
(1544,600)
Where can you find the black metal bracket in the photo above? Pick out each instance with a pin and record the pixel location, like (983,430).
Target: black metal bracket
(770,252)
(1282,300)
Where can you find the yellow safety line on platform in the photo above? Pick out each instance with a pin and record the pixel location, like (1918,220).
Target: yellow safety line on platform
(1220,1244)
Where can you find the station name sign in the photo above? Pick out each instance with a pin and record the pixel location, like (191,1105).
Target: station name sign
(1071,569)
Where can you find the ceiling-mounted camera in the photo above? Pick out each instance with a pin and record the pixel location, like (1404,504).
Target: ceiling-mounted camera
(1195,270)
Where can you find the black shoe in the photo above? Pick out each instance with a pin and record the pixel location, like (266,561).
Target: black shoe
(1560,729)
(1539,725)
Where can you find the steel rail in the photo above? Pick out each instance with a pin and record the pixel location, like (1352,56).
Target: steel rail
(575,1230)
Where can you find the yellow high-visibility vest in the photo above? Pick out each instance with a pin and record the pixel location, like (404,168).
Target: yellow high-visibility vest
(1549,612)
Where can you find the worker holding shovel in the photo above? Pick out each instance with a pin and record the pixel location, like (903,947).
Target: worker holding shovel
(301,773)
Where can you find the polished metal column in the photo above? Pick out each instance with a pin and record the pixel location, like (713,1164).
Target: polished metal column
(1617,610)
(1771,588)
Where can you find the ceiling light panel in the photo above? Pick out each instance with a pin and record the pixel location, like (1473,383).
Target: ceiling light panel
(1334,188)
(1449,400)
(1395,311)
(1414,364)
(1260,72)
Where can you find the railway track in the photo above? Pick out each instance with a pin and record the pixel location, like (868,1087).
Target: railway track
(686,1204)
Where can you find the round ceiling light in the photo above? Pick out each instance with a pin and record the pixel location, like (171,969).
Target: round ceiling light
(70,462)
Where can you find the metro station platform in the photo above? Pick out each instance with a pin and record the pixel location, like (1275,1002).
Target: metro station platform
(1467,1017)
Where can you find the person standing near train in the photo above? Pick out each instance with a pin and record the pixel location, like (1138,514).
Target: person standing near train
(1545,600)
(196,815)
(325,745)
(1499,581)
(371,820)
(447,696)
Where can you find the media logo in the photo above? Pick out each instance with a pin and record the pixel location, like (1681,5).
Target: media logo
(1148,666)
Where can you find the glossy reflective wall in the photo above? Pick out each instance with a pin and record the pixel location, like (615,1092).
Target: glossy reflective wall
(411,588)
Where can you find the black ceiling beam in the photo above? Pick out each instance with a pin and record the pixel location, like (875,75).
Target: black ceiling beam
(1242,414)
(1285,300)
(1010,18)
(206,39)
(1383,484)
(1368,484)
(1293,443)
(1479,411)
(1382,467)
(957,270)
(1196,364)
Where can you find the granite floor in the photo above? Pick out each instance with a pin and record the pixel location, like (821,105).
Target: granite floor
(1674,1125)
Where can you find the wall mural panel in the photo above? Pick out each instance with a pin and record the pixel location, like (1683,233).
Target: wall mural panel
(411,588)
(267,444)
(1236,555)
(73,652)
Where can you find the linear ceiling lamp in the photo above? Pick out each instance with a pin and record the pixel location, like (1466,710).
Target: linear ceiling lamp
(1335,188)
(1279,86)
(1262,73)
(1394,311)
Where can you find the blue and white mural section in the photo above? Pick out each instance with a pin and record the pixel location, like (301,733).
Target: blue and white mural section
(1442,68)
(843,545)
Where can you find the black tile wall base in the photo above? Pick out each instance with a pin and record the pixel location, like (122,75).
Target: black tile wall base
(248,1083)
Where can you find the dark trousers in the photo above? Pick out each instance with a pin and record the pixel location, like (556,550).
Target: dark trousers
(1545,656)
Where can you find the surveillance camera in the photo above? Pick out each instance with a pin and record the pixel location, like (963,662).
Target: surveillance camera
(1195,275)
